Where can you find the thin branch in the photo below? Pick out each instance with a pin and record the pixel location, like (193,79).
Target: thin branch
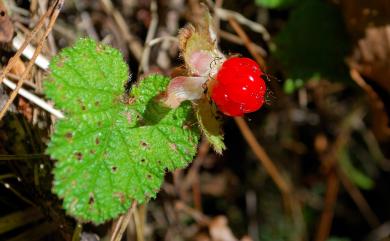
(263,157)
(42,62)
(144,65)
(330,165)
(228,14)
(325,224)
(237,40)
(359,200)
(248,43)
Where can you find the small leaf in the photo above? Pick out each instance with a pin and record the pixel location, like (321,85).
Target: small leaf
(109,152)
(210,125)
(314,42)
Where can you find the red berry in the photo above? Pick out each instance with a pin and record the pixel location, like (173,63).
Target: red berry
(239,87)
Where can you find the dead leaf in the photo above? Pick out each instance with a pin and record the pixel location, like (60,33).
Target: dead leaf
(369,26)
(372,55)
(18,68)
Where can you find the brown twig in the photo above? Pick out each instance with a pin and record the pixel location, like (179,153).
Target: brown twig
(54,11)
(247,41)
(254,26)
(291,203)
(359,200)
(325,224)
(381,120)
(237,40)
(263,157)
(330,166)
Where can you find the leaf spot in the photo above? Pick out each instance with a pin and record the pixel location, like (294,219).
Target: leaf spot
(69,136)
(114,168)
(144,145)
(82,105)
(79,156)
(91,199)
(97,141)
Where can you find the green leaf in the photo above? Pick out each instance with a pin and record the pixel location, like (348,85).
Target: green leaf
(110,152)
(354,174)
(314,42)
(210,125)
(276,3)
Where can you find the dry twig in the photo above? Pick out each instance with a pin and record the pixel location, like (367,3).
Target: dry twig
(332,189)
(54,12)
(262,156)
(248,43)
(359,200)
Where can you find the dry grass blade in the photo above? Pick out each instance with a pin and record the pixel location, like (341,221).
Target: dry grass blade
(122,224)
(35,233)
(18,219)
(28,39)
(77,232)
(55,10)
(139,220)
